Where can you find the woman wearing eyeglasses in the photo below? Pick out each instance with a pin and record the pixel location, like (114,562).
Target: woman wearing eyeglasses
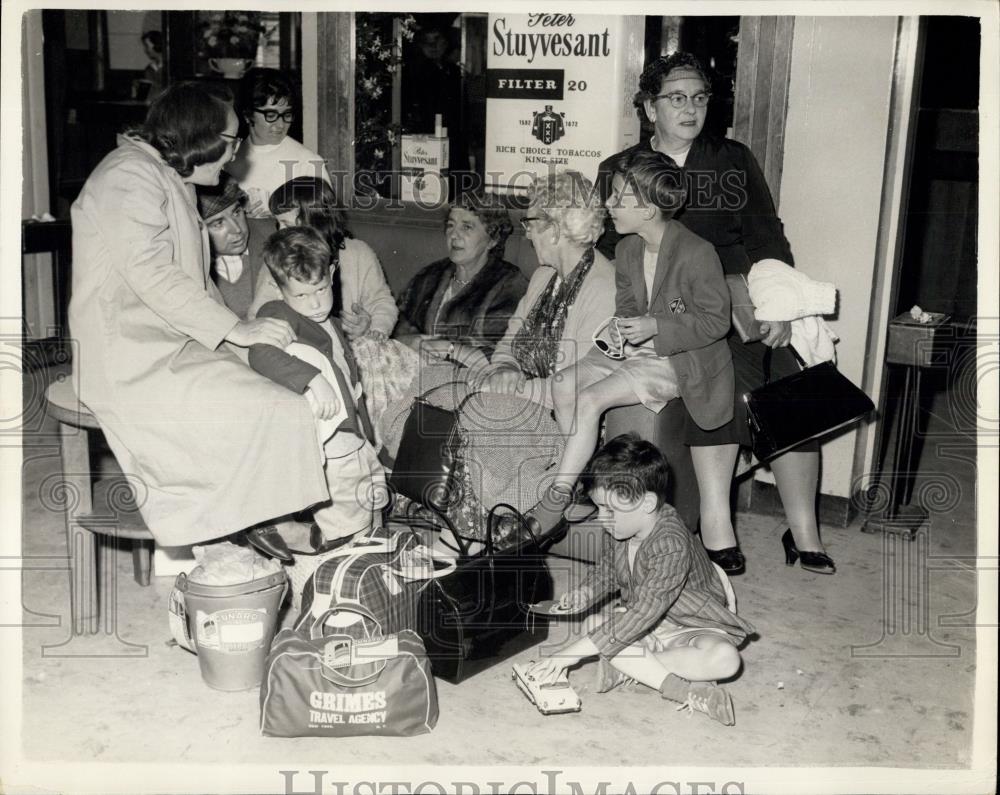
(567,298)
(211,447)
(269,158)
(511,437)
(729,204)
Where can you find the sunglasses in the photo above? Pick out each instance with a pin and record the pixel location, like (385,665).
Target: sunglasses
(609,340)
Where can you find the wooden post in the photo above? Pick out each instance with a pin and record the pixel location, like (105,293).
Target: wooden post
(336,68)
(763,69)
(98,32)
(397,109)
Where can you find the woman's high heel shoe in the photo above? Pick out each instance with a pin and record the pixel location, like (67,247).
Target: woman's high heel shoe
(730,559)
(547,515)
(819,562)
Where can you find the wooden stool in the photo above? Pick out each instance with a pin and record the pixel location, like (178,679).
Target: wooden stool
(102,508)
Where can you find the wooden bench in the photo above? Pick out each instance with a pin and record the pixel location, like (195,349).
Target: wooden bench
(104,508)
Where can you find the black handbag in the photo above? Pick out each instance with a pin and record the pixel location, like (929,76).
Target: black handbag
(478,615)
(816,400)
(424,467)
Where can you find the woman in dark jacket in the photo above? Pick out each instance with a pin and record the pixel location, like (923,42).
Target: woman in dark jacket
(457,308)
(729,204)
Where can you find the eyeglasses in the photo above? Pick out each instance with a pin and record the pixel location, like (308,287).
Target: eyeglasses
(609,340)
(236,139)
(271,116)
(679,99)
(526,221)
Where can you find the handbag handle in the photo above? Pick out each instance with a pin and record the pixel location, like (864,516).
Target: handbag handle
(461,404)
(766,364)
(492,519)
(449,566)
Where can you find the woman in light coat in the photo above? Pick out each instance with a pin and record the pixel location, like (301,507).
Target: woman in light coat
(211,447)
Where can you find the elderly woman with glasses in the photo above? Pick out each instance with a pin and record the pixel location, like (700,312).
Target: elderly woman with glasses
(568,296)
(730,206)
(213,447)
(269,157)
(512,438)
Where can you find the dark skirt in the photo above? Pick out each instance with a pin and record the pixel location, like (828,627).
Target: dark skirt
(748,366)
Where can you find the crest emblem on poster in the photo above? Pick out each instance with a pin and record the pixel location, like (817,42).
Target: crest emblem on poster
(547,126)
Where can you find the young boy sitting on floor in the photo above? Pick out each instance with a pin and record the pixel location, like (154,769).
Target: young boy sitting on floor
(320,365)
(675,629)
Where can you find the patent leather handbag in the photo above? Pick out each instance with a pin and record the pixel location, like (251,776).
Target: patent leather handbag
(424,466)
(808,404)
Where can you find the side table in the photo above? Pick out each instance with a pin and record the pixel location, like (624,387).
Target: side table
(911,348)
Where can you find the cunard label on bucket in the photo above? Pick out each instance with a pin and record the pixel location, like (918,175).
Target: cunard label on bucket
(233,631)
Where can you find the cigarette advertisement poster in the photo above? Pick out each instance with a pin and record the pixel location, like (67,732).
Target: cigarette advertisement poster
(559,91)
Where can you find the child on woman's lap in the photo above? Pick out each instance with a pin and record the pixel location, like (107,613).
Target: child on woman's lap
(672,315)
(362,299)
(320,366)
(676,629)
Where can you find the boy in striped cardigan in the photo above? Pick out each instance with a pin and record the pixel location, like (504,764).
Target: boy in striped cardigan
(675,628)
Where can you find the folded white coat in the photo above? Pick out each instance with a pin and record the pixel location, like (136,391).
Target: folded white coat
(780,292)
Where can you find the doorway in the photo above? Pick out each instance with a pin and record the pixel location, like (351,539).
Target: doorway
(937,271)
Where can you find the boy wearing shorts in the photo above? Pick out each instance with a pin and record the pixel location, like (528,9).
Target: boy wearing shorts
(675,628)
(668,338)
(319,365)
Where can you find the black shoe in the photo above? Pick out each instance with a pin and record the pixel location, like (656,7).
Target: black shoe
(321,546)
(547,515)
(315,537)
(580,510)
(819,562)
(317,544)
(268,540)
(730,559)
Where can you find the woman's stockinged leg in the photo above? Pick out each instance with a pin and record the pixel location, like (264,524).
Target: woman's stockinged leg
(797,476)
(565,387)
(714,466)
(592,402)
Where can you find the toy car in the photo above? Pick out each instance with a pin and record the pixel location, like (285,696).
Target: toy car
(551,698)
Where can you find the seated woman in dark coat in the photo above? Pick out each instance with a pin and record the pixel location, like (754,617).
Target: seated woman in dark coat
(457,308)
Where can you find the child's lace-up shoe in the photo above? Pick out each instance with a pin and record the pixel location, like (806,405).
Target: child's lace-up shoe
(714,701)
(609,677)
